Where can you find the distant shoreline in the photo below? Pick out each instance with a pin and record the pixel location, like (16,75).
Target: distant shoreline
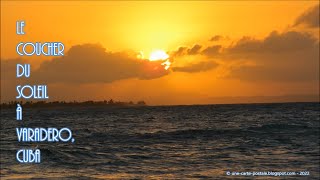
(106,103)
(57,104)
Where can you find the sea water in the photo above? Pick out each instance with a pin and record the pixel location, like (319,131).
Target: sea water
(167,142)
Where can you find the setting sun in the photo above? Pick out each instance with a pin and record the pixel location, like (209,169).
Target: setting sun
(158,55)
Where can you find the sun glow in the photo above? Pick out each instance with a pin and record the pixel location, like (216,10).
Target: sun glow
(158,55)
(166,64)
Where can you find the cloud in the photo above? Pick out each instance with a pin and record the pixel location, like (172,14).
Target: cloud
(216,38)
(91,63)
(196,67)
(275,42)
(212,50)
(280,56)
(83,65)
(196,53)
(309,18)
(288,56)
(183,51)
(8,68)
(194,50)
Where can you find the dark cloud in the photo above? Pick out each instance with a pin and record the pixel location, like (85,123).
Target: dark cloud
(274,43)
(288,56)
(310,18)
(8,68)
(182,51)
(90,63)
(196,67)
(216,38)
(194,50)
(212,50)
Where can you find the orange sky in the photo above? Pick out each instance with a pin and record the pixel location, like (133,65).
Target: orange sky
(240,66)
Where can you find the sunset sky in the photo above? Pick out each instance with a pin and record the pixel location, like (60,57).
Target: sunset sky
(216,50)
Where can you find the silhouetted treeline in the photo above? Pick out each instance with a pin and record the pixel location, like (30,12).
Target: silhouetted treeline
(110,103)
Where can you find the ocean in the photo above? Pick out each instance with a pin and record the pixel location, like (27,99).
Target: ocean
(168,142)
